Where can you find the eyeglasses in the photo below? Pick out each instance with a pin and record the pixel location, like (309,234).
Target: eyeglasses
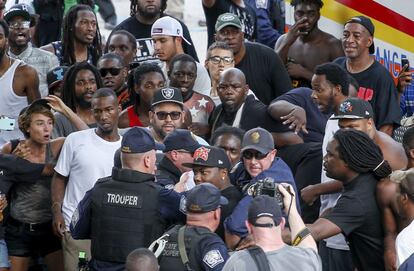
(162,115)
(19,25)
(113,71)
(217,59)
(257,155)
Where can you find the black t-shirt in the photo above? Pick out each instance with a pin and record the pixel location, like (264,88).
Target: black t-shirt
(358,216)
(254,115)
(315,119)
(142,32)
(233,195)
(265,72)
(377,86)
(247,17)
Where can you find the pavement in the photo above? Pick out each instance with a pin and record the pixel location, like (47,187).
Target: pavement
(193,12)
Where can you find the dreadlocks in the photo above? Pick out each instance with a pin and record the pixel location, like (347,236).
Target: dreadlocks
(68,88)
(360,153)
(134,7)
(68,41)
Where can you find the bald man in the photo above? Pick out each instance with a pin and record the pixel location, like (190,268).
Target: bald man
(242,110)
(141,259)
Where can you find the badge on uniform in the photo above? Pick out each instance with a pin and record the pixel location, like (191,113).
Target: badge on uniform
(213,258)
(261,4)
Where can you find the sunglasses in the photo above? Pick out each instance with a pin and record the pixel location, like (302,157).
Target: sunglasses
(216,60)
(162,115)
(20,25)
(113,71)
(257,155)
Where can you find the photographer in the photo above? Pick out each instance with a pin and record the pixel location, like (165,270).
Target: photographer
(265,223)
(259,162)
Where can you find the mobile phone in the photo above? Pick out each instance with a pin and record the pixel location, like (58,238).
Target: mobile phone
(7,124)
(404,61)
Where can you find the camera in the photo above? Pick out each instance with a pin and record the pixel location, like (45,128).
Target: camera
(266,186)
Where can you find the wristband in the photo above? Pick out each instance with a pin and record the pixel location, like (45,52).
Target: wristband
(300,236)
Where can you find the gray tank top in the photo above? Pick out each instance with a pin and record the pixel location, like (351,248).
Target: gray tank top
(31,203)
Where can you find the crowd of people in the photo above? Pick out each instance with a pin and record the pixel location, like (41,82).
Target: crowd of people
(279,151)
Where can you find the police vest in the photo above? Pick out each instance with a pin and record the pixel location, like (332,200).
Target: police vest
(170,259)
(125,216)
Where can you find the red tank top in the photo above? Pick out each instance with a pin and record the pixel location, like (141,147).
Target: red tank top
(133,117)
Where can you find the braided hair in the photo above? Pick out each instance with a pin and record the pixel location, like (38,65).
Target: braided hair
(134,7)
(68,41)
(68,88)
(360,153)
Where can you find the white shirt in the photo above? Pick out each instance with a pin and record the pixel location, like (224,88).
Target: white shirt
(404,243)
(85,157)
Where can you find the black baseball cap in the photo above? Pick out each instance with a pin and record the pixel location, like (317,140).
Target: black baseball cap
(354,108)
(204,198)
(367,23)
(139,140)
(258,139)
(227,19)
(55,75)
(24,10)
(264,206)
(167,95)
(209,156)
(181,139)
(35,105)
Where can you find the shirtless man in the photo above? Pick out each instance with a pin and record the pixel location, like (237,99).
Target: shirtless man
(19,86)
(305,46)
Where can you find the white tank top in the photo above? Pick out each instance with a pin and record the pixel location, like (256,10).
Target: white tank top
(10,103)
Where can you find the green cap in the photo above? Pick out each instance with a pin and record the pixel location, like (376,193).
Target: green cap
(227,19)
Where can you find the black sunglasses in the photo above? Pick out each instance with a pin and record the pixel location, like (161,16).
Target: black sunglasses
(162,115)
(250,154)
(113,71)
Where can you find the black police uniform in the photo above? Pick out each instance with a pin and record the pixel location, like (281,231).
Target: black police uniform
(205,250)
(121,213)
(167,173)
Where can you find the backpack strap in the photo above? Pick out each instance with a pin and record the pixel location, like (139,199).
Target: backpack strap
(14,143)
(259,258)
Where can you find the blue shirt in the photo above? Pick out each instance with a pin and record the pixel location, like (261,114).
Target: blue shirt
(407,101)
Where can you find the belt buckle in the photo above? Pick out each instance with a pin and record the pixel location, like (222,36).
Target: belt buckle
(31,227)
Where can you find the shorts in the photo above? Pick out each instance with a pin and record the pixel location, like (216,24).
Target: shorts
(25,240)
(4,257)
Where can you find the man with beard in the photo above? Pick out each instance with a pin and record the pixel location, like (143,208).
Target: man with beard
(238,109)
(305,46)
(19,86)
(167,114)
(143,14)
(20,47)
(86,156)
(183,75)
(254,60)
(114,75)
(80,83)
(81,39)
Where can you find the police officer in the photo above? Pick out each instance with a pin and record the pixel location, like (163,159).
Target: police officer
(126,210)
(195,246)
(179,148)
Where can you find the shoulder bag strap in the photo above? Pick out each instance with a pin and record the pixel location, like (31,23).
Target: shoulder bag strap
(259,258)
(181,248)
